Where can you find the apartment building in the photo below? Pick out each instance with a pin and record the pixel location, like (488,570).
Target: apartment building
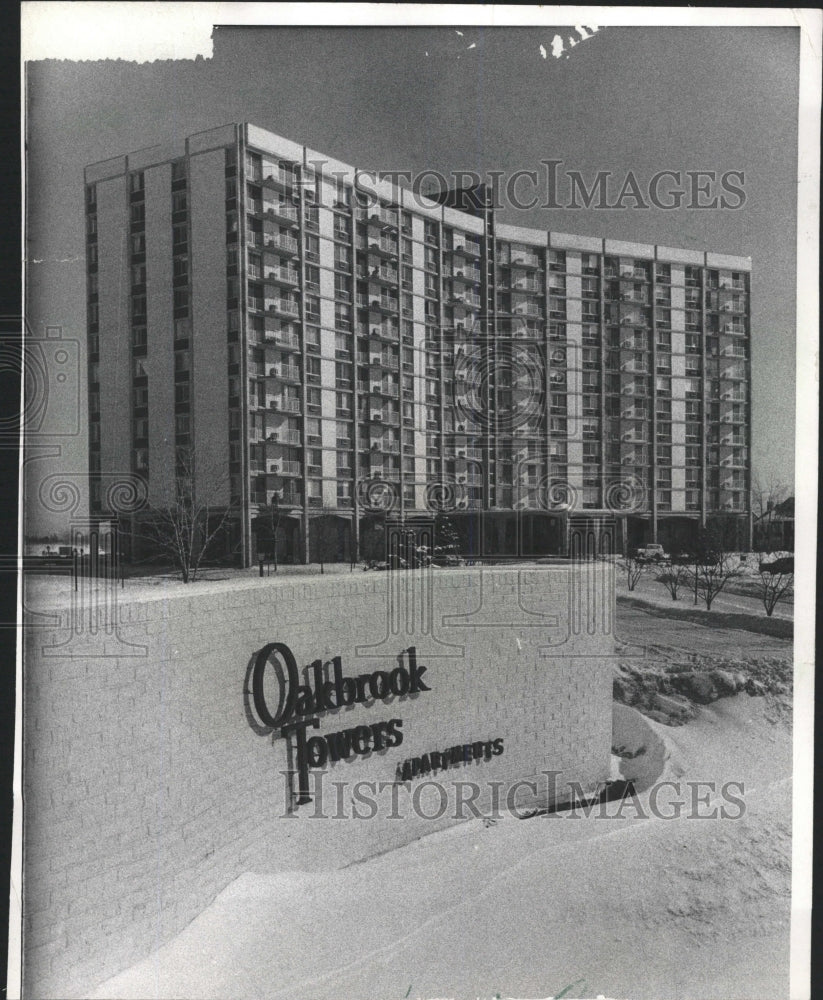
(299,331)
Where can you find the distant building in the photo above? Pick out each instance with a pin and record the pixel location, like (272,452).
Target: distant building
(774,528)
(347,346)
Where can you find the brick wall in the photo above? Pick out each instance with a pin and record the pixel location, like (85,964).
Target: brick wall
(149,785)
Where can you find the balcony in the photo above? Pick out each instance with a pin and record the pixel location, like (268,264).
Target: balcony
(383,248)
(527,331)
(281,244)
(284,437)
(379,274)
(285,373)
(290,498)
(283,307)
(385,361)
(533,287)
(282,211)
(280,337)
(281,467)
(382,217)
(530,309)
(289,276)
(385,331)
(522,259)
(635,273)
(383,304)
(282,404)
(466,247)
(386,447)
(462,272)
(278,177)
(385,389)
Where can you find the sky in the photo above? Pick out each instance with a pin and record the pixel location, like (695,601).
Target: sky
(625,99)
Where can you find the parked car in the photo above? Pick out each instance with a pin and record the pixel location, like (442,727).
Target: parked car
(651,553)
(783,565)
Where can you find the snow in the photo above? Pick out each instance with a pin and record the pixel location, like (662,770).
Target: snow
(631,907)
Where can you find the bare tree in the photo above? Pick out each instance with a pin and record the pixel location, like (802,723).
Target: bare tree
(714,565)
(634,569)
(673,578)
(265,526)
(775,583)
(184,528)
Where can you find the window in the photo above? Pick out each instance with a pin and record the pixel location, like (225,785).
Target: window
(179,202)
(342,194)
(182,361)
(136,182)
(312,248)
(182,425)
(342,287)
(180,269)
(178,171)
(137,214)
(313,278)
(138,338)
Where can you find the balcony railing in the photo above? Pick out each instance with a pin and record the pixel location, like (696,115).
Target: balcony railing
(281,467)
(284,437)
(288,244)
(523,259)
(382,217)
(529,285)
(287,373)
(380,246)
(284,405)
(282,275)
(280,210)
(379,274)
(283,338)
(462,273)
(380,303)
(466,246)
(283,307)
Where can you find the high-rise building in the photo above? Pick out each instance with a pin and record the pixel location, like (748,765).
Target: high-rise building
(289,326)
